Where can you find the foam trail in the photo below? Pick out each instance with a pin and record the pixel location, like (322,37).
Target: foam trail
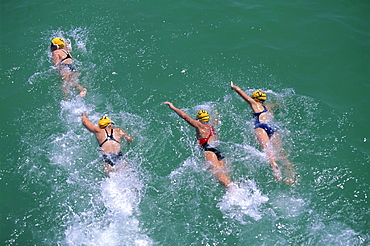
(118,225)
(244,201)
(121,192)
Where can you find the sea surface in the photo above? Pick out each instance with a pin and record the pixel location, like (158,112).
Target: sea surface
(312,58)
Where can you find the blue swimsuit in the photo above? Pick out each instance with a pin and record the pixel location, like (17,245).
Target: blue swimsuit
(257,124)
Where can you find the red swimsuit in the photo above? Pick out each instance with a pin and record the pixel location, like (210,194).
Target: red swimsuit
(202,141)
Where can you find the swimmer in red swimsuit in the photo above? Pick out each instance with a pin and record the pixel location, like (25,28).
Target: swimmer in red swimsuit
(206,136)
(203,117)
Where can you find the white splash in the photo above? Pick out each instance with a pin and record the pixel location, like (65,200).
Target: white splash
(71,110)
(117,222)
(121,192)
(243,201)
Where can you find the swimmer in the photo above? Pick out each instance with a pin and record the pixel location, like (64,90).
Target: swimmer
(109,140)
(62,59)
(206,136)
(264,132)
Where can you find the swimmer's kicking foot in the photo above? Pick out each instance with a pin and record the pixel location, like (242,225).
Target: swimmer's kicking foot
(232,187)
(291,176)
(289,181)
(292,180)
(276,171)
(83,92)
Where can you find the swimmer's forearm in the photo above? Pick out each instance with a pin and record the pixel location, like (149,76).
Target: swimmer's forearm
(182,114)
(241,93)
(128,137)
(84,117)
(178,111)
(87,123)
(237,89)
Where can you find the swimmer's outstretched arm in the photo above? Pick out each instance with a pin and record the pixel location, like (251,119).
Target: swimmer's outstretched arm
(272,107)
(183,115)
(244,95)
(126,136)
(88,124)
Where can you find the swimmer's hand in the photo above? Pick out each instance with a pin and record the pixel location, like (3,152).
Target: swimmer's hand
(233,87)
(169,104)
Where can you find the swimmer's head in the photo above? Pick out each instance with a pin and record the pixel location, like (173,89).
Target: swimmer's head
(259,96)
(58,42)
(203,116)
(104,122)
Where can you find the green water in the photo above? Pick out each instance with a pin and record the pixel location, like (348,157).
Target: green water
(310,57)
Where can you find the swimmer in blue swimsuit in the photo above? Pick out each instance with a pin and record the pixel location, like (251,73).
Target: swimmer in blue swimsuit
(62,59)
(257,124)
(264,131)
(109,140)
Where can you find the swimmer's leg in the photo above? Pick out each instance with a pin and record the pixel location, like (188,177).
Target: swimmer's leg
(264,140)
(122,164)
(71,79)
(291,176)
(287,166)
(108,168)
(218,168)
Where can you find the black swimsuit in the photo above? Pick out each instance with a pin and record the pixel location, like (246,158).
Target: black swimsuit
(67,57)
(207,147)
(69,66)
(111,158)
(109,137)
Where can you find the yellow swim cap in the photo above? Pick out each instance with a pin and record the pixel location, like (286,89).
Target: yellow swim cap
(104,122)
(59,42)
(203,116)
(259,96)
